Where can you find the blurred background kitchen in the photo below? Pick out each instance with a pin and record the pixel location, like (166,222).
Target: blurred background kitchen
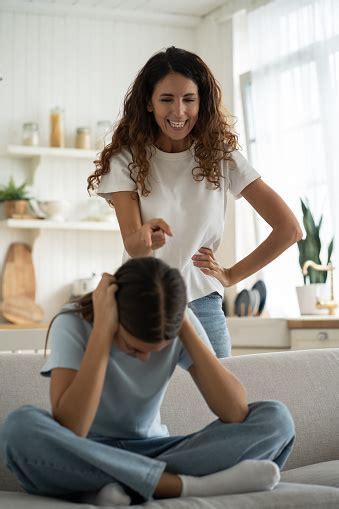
(65,67)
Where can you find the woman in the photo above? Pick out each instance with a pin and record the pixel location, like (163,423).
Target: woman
(112,356)
(173,157)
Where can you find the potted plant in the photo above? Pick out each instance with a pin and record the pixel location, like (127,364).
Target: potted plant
(309,249)
(14,198)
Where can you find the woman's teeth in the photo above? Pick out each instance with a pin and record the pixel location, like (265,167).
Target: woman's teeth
(177,125)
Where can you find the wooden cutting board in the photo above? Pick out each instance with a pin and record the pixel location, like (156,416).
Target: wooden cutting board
(21,310)
(18,278)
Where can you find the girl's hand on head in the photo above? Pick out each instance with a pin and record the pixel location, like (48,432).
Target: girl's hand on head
(105,306)
(206,262)
(154,233)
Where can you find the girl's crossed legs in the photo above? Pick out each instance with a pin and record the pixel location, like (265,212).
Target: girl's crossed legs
(49,459)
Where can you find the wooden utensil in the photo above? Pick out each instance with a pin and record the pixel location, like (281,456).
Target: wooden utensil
(18,277)
(21,310)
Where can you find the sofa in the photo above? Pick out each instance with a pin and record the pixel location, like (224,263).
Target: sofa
(306,381)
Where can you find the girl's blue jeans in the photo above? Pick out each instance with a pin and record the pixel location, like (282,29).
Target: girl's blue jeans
(49,459)
(209,311)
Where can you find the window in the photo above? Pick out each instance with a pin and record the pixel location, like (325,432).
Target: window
(290,104)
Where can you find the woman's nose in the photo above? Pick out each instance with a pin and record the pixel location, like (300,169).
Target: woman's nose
(179,109)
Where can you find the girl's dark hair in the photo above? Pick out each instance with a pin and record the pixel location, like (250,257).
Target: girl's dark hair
(137,130)
(151,299)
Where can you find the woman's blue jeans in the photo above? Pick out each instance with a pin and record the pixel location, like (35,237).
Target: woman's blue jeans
(209,311)
(49,459)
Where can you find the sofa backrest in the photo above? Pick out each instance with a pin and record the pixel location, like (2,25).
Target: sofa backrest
(306,381)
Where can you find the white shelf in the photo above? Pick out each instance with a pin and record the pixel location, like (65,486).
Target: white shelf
(28,151)
(45,224)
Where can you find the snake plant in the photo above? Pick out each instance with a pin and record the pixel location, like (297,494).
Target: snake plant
(310,246)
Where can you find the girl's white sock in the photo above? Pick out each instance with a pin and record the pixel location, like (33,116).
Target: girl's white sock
(246,476)
(111,494)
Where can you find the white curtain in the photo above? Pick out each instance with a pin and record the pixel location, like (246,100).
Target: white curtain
(294,63)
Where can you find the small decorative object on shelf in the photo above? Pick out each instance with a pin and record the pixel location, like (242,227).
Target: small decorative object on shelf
(330,304)
(83,138)
(30,134)
(55,210)
(102,134)
(57,136)
(15,199)
(85,285)
(251,302)
(314,274)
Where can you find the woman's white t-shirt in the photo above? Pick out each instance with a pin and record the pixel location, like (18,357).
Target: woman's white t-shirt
(194,210)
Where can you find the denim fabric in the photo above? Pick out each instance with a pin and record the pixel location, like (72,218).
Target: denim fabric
(211,316)
(48,459)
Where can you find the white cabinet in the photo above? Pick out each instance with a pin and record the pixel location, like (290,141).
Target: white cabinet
(29,338)
(311,332)
(257,335)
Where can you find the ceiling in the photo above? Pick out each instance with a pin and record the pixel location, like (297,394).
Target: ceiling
(187,13)
(172,7)
(175,7)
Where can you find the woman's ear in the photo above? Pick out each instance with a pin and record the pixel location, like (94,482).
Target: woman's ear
(149,107)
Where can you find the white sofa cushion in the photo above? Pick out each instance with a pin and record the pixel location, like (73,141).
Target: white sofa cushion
(306,381)
(326,474)
(285,496)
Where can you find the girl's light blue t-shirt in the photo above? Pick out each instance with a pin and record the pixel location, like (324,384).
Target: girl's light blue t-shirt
(133,390)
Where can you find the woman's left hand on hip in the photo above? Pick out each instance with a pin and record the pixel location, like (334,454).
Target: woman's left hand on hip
(206,262)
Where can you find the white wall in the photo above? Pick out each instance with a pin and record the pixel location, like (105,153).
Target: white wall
(84,66)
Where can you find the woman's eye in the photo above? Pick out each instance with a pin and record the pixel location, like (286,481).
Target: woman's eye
(170,100)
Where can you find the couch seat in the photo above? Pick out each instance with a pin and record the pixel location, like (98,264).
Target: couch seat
(286,496)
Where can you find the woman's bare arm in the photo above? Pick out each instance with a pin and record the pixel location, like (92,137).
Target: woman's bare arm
(139,239)
(223,392)
(285,232)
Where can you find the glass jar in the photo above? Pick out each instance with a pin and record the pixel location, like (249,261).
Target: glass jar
(102,134)
(83,138)
(57,135)
(30,133)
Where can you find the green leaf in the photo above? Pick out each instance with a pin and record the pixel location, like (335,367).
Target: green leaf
(310,246)
(330,251)
(11,191)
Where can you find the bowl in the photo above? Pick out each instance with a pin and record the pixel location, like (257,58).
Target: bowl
(56,210)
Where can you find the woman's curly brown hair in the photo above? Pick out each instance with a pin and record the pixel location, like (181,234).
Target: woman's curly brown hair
(212,135)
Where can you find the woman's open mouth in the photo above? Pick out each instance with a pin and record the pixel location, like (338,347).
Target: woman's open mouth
(177,125)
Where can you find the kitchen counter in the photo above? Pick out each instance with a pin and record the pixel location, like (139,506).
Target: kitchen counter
(261,334)
(14,338)
(249,334)
(313,322)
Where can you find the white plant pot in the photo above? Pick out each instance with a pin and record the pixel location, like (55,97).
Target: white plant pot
(308,296)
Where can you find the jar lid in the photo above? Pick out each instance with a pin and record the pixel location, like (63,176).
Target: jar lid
(104,123)
(32,125)
(83,130)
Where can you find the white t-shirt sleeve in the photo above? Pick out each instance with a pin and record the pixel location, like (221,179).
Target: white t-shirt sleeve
(185,360)
(118,179)
(240,174)
(67,341)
